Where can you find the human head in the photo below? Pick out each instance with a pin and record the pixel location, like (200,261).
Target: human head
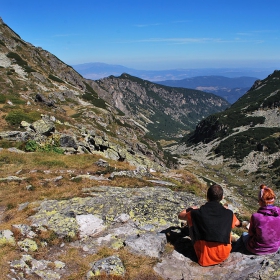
(266,195)
(215,193)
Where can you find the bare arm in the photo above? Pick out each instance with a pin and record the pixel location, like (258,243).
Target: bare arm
(183,214)
(237,223)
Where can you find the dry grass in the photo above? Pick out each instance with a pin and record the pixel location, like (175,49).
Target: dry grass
(7,253)
(186,181)
(137,267)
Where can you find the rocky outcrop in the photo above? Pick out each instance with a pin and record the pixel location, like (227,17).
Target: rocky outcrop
(237,267)
(43,132)
(141,219)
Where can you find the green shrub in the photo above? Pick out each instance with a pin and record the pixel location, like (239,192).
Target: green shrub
(91,96)
(14,98)
(77,115)
(56,79)
(20,62)
(15,117)
(17,58)
(10,206)
(31,146)
(10,71)
(3,99)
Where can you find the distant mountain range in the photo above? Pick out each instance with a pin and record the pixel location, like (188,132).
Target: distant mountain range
(96,70)
(228,88)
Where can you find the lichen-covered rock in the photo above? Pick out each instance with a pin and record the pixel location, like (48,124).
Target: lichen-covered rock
(110,266)
(155,208)
(48,274)
(42,268)
(59,264)
(122,218)
(7,237)
(10,134)
(12,178)
(43,127)
(138,173)
(28,245)
(102,163)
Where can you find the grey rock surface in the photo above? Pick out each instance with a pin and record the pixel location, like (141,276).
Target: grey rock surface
(148,244)
(111,266)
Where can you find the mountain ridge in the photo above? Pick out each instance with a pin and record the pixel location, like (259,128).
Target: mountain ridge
(99,70)
(229,88)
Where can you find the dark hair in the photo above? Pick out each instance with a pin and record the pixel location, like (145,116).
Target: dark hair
(215,193)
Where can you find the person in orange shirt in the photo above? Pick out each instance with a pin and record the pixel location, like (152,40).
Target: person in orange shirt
(210,228)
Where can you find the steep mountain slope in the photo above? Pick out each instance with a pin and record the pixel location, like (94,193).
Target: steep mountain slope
(228,88)
(38,88)
(246,136)
(164,112)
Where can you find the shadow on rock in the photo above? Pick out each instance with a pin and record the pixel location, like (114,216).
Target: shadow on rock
(180,239)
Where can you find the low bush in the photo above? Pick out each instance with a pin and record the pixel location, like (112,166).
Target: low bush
(91,96)
(15,117)
(56,79)
(33,146)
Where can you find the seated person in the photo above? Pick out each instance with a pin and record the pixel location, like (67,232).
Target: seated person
(264,231)
(210,228)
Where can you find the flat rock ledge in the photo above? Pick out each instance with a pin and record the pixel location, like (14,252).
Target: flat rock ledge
(238,266)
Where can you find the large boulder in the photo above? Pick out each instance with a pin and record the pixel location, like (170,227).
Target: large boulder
(43,127)
(68,141)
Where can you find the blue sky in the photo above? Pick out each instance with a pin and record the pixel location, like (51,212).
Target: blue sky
(154,34)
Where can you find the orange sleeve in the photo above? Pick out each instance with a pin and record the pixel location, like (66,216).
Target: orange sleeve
(234,220)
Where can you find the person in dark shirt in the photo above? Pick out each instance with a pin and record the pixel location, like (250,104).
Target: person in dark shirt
(210,227)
